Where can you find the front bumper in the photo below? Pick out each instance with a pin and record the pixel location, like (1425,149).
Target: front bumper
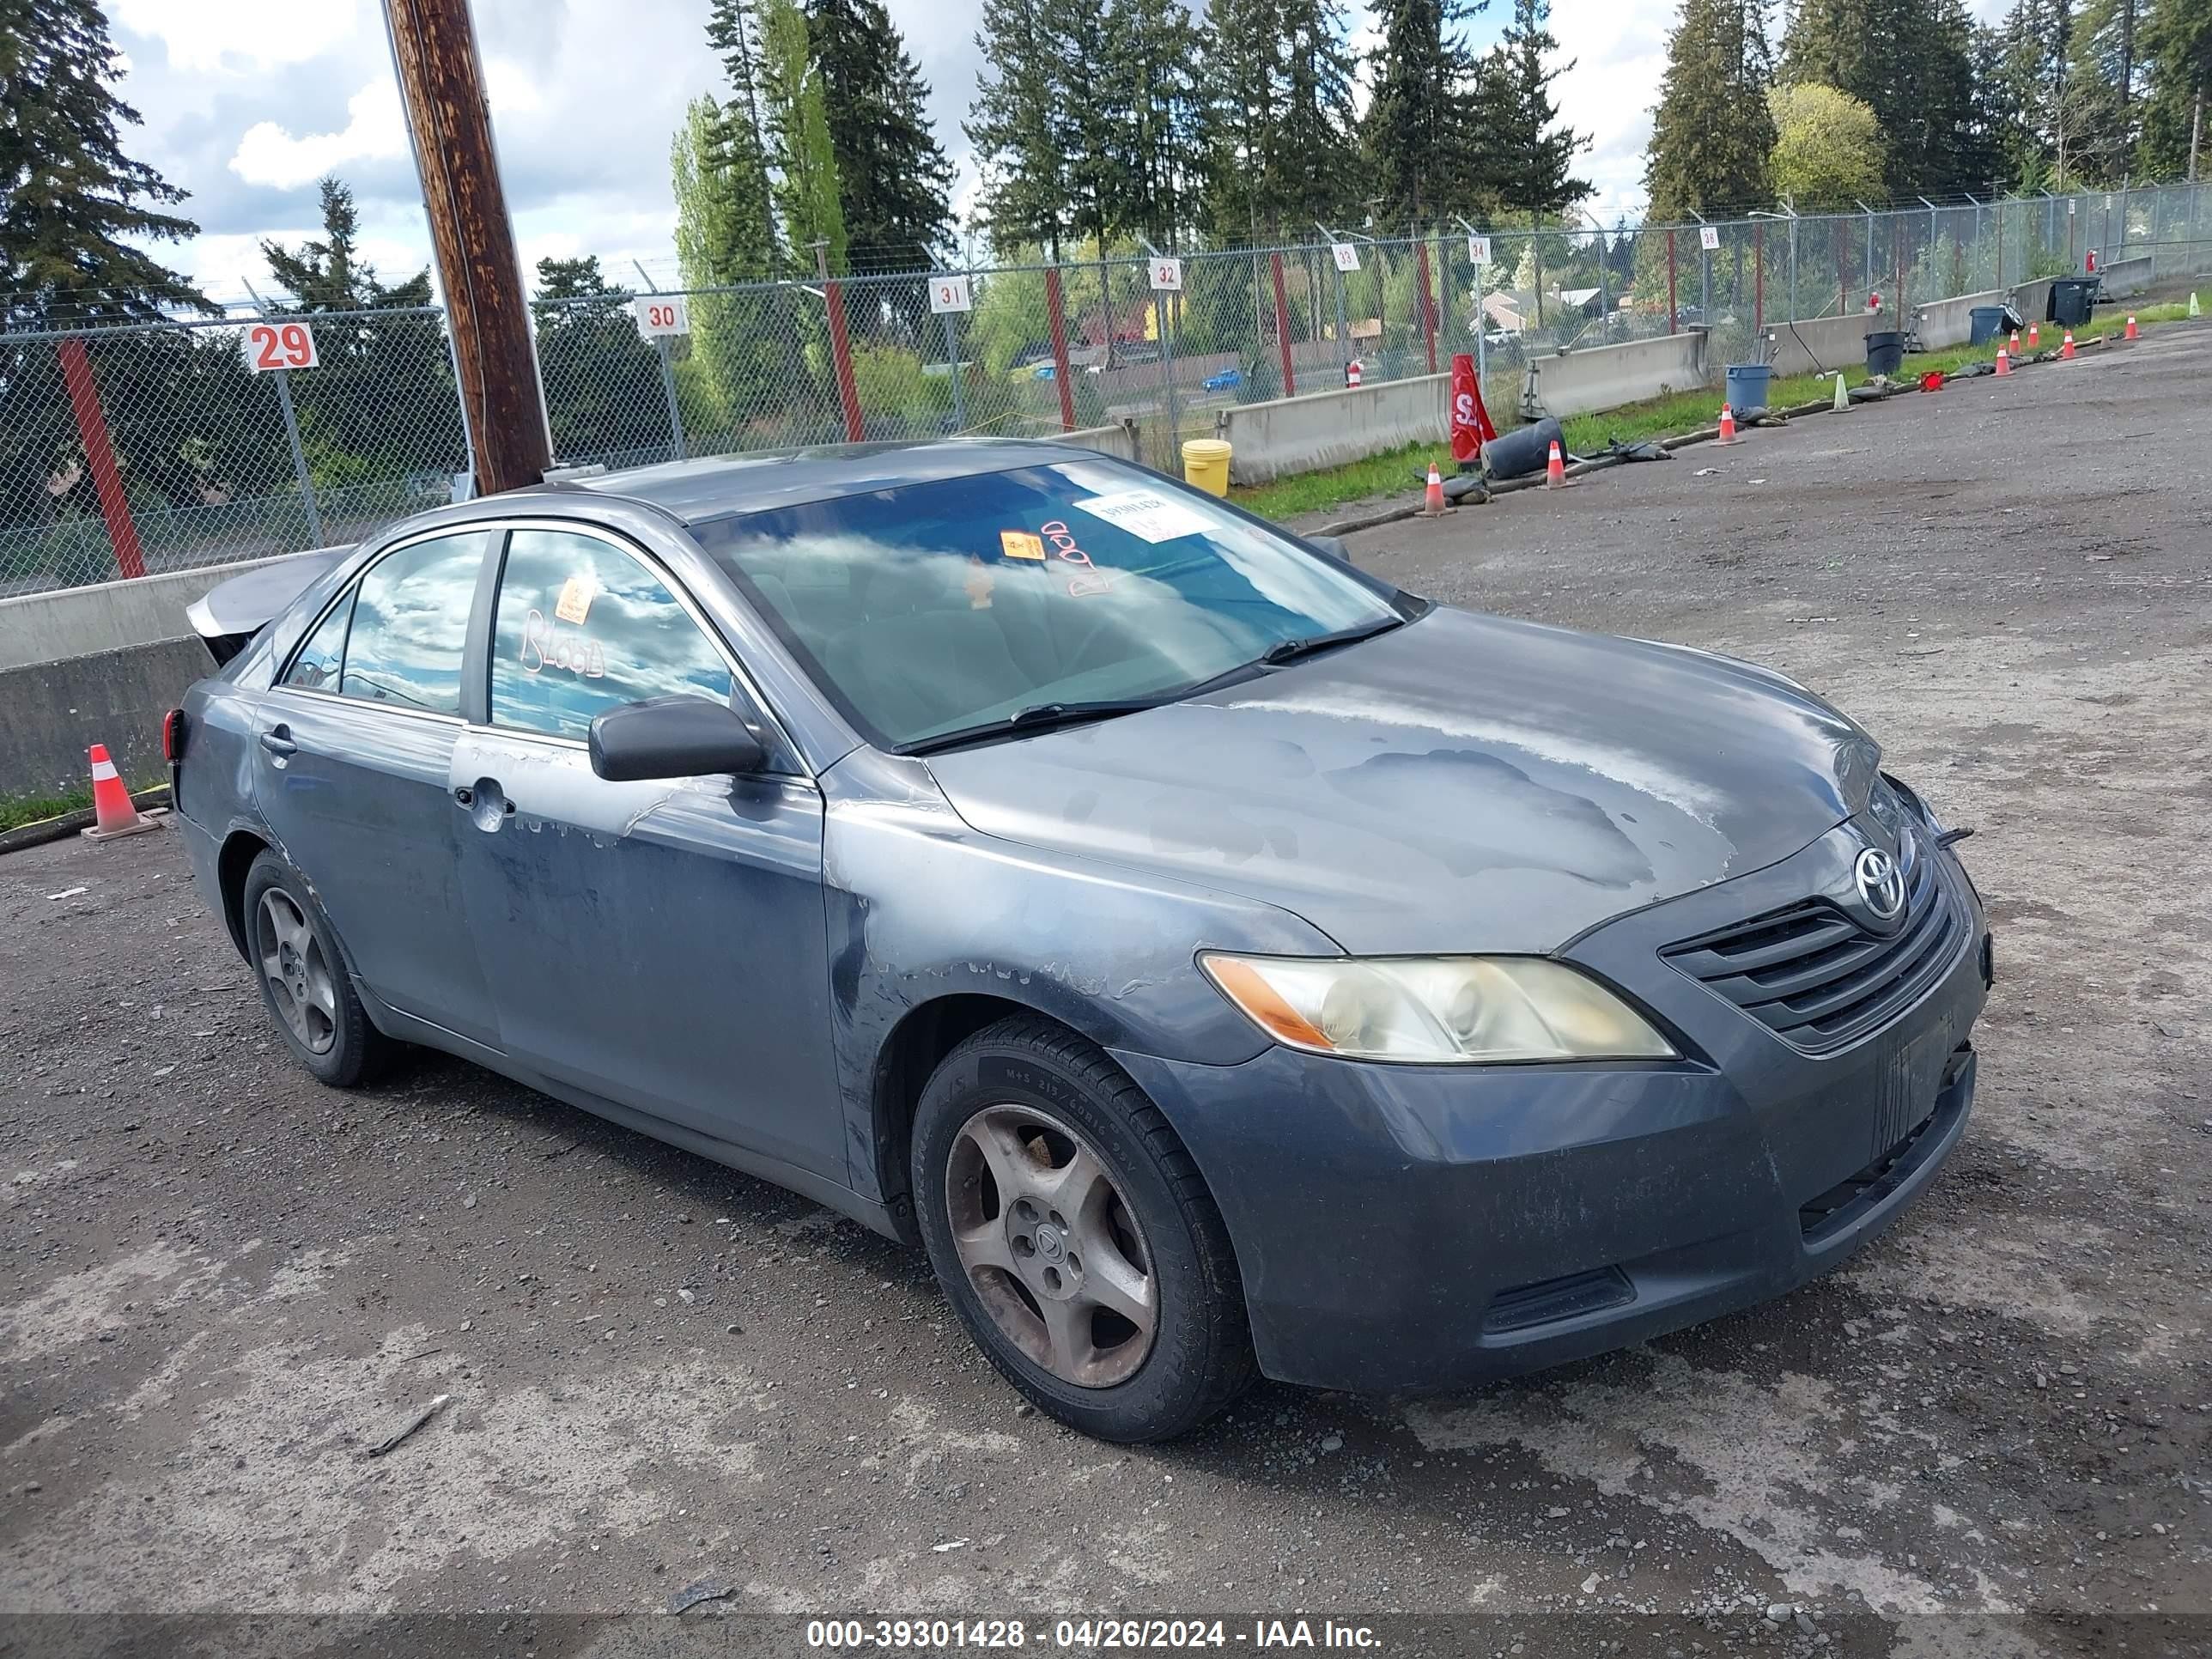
(1406,1227)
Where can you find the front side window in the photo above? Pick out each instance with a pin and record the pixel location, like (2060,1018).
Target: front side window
(929,609)
(410,623)
(583,627)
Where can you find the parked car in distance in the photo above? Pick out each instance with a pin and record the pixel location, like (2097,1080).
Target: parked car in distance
(1227,379)
(1219,961)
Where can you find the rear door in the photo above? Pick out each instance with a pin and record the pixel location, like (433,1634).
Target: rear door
(660,944)
(352,757)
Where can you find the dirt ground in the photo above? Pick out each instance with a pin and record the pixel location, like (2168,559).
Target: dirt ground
(219,1283)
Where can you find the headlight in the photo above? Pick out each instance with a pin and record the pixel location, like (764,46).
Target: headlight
(1902,794)
(1437,1010)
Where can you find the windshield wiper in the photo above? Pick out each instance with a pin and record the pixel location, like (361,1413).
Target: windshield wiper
(1291,650)
(1036,718)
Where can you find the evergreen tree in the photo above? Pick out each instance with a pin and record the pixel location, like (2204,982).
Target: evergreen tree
(2103,70)
(1906,60)
(1155,126)
(1023,199)
(1529,160)
(2177,45)
(603,396)
(1416,134)
(736,156)
(894,182)
(1313,165)
(324,275)
(1246,68)
(1712,131)
(71,203)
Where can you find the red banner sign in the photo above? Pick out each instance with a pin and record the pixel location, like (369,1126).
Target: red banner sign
(1470,421)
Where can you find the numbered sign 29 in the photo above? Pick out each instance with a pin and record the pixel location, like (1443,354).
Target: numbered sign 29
(1478,249)
(1347,255)
(949,292)
(1708,237)
(279,345)
(1167,274)
(659,315)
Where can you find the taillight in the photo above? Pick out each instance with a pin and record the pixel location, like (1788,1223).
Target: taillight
(172,736)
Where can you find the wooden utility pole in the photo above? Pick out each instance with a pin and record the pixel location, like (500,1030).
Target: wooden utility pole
(434,53)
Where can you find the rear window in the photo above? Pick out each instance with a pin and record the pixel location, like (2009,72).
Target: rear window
(932,607)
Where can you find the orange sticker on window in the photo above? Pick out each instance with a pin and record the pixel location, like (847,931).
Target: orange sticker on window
(1020,544)
(575,602)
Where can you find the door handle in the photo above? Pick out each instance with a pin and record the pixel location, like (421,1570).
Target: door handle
(277,740)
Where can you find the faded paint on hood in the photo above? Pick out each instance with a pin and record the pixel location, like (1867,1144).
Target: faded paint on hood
(1462,783)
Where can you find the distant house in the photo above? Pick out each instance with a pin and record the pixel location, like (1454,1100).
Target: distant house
(1585,300)
(1503,312)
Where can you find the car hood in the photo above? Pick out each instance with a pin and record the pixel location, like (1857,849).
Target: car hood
(1462,783)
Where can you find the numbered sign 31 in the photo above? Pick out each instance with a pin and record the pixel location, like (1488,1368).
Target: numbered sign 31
(1167,274)
(1347,256)
(661,315)
(1708,237)
(948,292)
(1478,249)
(279,345)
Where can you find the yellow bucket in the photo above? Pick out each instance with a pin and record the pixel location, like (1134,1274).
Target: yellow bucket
(1205,463)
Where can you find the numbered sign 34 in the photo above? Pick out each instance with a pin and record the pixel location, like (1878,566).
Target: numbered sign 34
(1478,249)
(661,315)
(279,345)
(949,292)
(1167,274)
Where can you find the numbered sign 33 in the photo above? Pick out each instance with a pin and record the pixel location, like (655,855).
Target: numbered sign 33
(948,292)
(1478,249)
(1347,255)
(1708,237)
(1167,274)
(661,315)
(279,345)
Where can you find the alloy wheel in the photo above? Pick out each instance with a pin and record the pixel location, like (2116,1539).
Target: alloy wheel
(299,975)
(1051,1245)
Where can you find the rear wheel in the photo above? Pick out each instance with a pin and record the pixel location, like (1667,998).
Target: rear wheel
(304,982)
(1074,1236)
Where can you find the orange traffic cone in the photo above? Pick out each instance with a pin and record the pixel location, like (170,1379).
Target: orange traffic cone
(1555,469)
(2034,337)
(2066,348)
(2131,334)
(1728,426)
(2015,342)
(1432,504)
(113,814)
(2004,363)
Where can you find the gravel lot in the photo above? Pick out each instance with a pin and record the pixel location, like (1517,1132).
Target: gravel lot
(222,1282)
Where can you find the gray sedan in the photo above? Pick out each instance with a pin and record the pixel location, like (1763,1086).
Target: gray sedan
(1220,962)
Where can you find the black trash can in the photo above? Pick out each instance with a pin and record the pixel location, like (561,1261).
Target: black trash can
(1988,322)
(1525,449)
(2070,300)
(1885,352)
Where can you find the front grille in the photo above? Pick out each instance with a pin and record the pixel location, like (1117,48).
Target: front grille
(1815,976)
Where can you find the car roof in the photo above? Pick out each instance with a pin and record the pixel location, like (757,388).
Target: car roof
(718,486)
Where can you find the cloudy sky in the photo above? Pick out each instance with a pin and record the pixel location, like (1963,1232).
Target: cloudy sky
(248,102)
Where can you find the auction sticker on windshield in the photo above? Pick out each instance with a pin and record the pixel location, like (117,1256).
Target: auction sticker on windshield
(1147,514)
(1020,544)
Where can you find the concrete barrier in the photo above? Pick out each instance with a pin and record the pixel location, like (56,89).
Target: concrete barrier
(75,622)
(2126,277)
(56,710)
(1328,428)
(1827,343)
(1944,323)
(2033,299)
(1119,440)
(1578,382)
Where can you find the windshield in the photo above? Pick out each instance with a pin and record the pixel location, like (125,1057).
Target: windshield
(932,608)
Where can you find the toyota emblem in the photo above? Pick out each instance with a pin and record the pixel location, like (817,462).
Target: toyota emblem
(1882,884)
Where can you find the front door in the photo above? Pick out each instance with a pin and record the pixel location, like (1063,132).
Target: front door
(350,774)
(657,944)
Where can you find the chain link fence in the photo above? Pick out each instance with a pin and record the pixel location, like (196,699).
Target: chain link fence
(125,451)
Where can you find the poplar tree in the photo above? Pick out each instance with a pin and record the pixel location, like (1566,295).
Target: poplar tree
(734,156)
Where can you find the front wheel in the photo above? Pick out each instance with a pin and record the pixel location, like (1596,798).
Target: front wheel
(1074,1236)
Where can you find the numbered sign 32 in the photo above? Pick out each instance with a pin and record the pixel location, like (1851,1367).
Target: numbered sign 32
(1478,249)
(279,345)
(1347,254)
(949,292)
(1167,274)
(661,315)
(1708,237)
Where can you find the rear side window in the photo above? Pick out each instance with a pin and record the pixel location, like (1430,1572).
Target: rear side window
(316,667)
(583,627)
(410,621)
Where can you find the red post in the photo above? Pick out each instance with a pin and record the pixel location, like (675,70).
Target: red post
(1282,325)
(841,348)
(2000,275)
(1758,279)
(1053,304)
(1428,306)
(1674,316)
(99,457)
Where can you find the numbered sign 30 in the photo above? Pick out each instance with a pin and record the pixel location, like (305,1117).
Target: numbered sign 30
(279,345)
(948,292)
(661,315)
(1708,237)
(1347,255)
(1167,274)
(1478,249)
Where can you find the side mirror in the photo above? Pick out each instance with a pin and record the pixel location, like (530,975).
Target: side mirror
(1332,545)
(672,737)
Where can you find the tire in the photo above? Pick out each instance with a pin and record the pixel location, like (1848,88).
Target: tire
(310,996)
(1062,1125)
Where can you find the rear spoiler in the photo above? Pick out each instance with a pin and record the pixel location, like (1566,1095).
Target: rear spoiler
(229,615)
